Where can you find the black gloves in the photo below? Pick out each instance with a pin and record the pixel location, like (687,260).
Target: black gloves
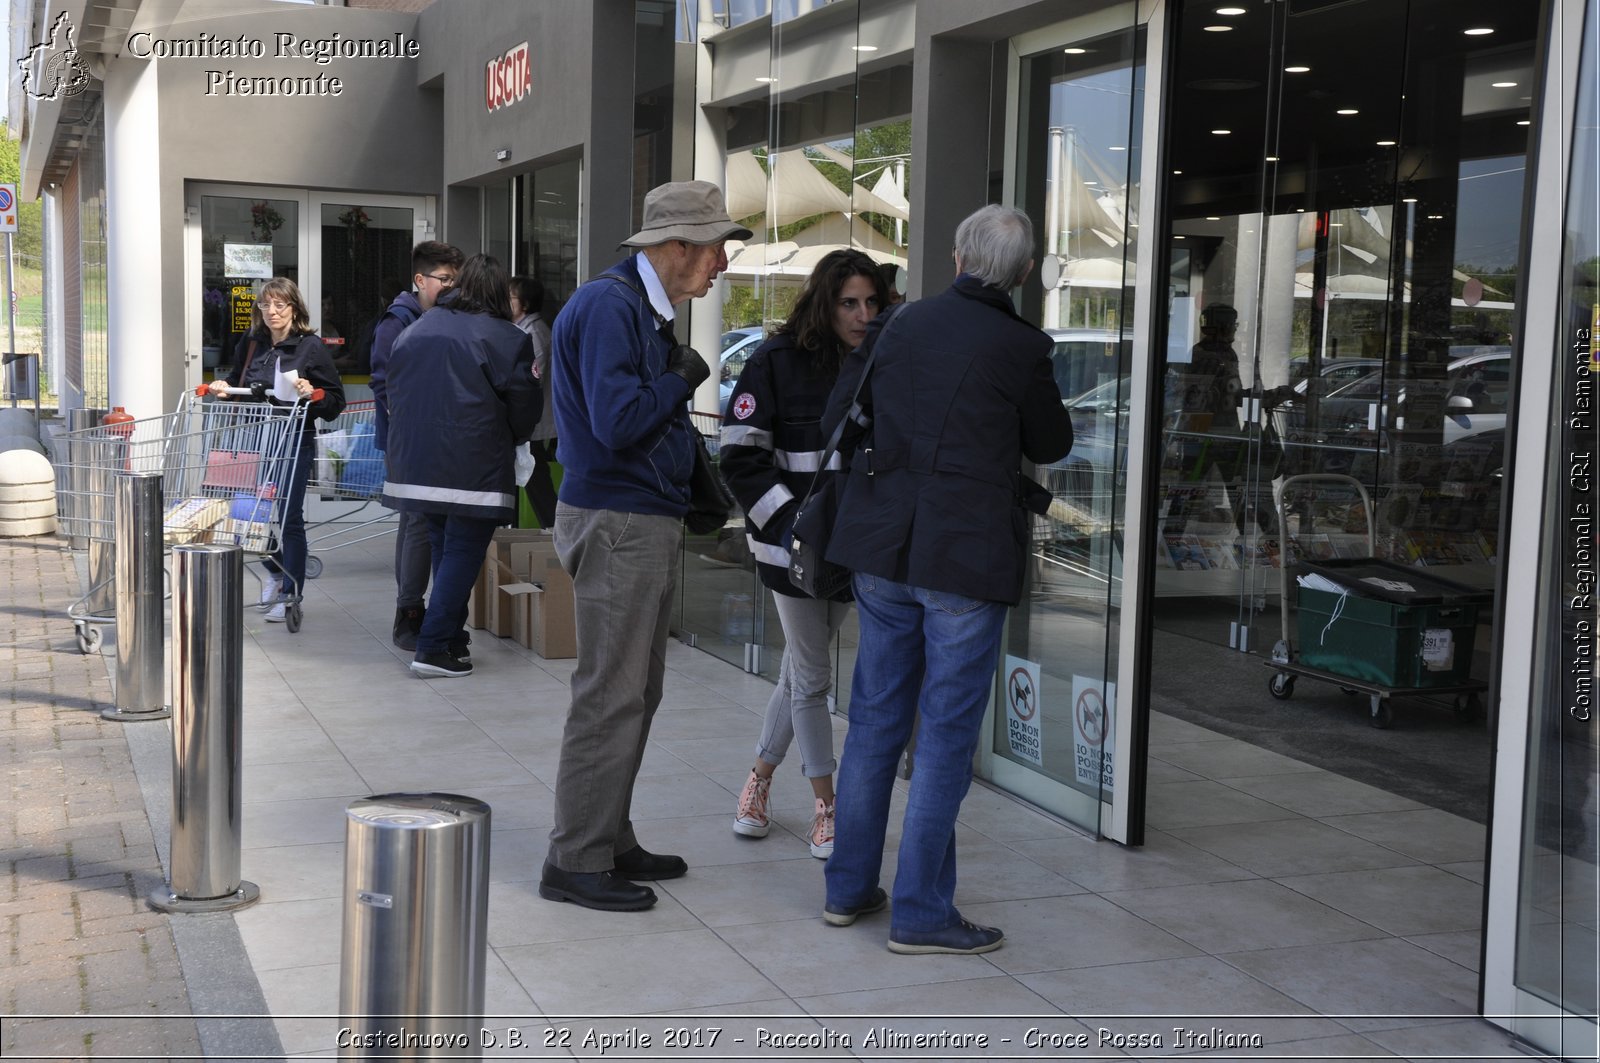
(687,363)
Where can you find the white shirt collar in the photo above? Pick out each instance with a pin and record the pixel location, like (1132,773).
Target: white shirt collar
(653,288)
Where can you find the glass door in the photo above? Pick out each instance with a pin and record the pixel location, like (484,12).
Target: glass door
(1074,157)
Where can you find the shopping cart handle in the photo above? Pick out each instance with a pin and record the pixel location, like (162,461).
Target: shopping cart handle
(256,391)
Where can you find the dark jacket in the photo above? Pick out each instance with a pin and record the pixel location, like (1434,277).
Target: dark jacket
(259,361)
(461,397)
(401,313)
(772,443)
(623,434)
(960,393)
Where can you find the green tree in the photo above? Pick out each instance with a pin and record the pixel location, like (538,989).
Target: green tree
(27,244)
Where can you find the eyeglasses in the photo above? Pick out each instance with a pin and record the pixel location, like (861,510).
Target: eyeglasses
(274,306)
(446,279)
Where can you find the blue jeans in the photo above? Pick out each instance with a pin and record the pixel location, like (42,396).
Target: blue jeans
(289,560)
(920,650)
(459,546)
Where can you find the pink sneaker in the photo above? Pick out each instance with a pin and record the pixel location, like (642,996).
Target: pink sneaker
(751,819)
(822,831)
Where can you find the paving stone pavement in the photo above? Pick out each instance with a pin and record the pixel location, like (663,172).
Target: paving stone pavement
(80,857)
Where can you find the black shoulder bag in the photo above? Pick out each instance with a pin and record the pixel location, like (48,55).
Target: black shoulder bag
(814,518)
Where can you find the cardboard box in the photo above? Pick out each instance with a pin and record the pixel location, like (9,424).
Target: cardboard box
(552,619)
(508,561)
(519,605)
(478,601)
(191,519)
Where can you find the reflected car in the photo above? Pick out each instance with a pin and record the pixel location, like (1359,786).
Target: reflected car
(1083,358)
(737,347)
(1097,464)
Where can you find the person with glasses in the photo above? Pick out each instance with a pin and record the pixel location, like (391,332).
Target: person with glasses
(281,344)
(434,266)
(463,397)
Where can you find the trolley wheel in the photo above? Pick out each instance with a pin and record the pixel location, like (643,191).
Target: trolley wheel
(1281,686)
(291,617)
(1382,715)
(313,566)
(88,637)
(1468,707)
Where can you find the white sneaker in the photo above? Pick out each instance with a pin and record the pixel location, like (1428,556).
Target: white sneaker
(278,613)
(271,591)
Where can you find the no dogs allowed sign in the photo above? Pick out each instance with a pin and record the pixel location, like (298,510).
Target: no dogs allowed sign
(1093,734)
(1024,734)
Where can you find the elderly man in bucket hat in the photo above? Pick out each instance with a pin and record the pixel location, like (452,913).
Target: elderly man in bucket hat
(621,381)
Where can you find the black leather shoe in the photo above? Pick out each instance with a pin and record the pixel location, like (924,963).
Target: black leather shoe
(844,915)
(962,939)
(643,866)
(601,890)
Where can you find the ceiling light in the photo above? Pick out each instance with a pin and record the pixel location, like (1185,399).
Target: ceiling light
(1180,238)
(1385,143)
(863,47)
(1299,210)
(1336,225)
(1436,217)
(1118,147)
(1229,12)
(766,81)
(1221,132)
(1212,217)
(1505,84)
(1347,110)
(1272,158)
(1297,70)
(1478,31)
(1219,29)
(1409,199)
(1176,172)
(1075,51)
(1523,122)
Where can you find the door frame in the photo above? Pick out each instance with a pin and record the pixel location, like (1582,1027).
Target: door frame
(1120,813)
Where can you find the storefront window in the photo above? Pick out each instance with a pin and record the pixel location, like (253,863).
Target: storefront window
(366,262)
(548,206)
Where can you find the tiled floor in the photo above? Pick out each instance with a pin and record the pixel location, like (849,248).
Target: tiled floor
(1337,914)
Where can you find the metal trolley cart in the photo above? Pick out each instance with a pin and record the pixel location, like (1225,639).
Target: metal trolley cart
(349,469)
(1375,628)
(221,464)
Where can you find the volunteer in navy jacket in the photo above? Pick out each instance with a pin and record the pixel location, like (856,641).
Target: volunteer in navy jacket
(772,445)
(932,525)
(462,396)
(622,384)
(285,342)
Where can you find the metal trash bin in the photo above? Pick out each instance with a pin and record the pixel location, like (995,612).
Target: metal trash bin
(416,903)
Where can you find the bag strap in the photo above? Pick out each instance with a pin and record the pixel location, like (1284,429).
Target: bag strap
(854,412)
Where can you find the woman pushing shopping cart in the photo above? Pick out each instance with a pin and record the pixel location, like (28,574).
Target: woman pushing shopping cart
(283,363)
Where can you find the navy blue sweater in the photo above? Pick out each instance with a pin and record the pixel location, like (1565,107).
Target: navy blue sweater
(624,437)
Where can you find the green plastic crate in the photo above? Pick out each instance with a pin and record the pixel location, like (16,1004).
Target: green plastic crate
(1382,642)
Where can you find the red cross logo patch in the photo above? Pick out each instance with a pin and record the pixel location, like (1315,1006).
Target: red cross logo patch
(744,406)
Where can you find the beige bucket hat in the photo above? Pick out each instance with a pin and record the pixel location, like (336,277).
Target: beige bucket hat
(691,211)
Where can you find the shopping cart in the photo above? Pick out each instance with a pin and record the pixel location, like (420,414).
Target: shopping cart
(349,469)
(221,464)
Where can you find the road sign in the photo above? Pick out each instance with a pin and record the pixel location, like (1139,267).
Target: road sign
(8,208)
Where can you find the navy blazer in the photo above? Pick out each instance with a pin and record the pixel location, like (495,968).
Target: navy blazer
(960,392)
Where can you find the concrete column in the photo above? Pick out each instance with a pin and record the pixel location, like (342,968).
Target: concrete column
(710,164)
(952,179)
(54,354)
(134,328)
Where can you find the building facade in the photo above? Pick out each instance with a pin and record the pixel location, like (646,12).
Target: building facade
(1321,275)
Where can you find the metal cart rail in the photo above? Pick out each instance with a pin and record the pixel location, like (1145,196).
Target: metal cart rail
(220,465)
(1286,668)
(349,469)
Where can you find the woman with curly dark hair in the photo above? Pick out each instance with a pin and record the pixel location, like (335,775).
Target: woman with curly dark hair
(772,444)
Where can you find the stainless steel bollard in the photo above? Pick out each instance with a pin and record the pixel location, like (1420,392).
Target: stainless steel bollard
(207,719)
(416,903)
(141,641)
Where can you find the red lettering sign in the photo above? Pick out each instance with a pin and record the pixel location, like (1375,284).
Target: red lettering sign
(508,78)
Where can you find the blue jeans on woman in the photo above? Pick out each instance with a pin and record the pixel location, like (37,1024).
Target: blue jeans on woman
(289,560)
(459,546)
(919,649)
